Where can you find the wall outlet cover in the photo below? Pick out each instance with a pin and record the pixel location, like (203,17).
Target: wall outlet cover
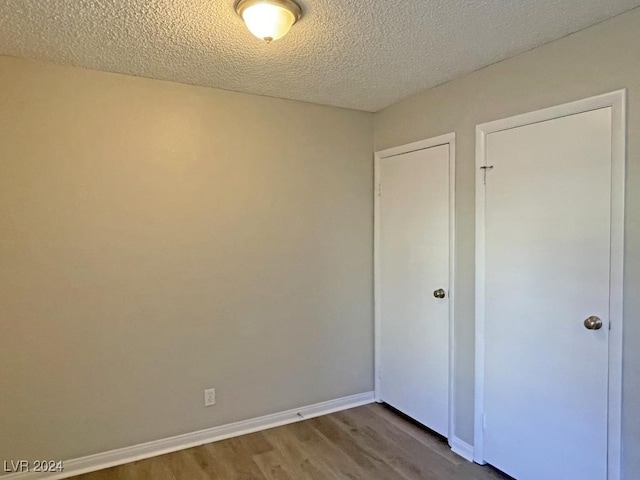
(209,397)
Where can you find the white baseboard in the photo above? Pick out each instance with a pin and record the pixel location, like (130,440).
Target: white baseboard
(461,448)
(121,456)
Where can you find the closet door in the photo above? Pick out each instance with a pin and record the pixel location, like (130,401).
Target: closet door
(413,284)
(547,277)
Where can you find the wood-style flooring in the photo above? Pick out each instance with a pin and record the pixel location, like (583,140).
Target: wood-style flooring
(368,443)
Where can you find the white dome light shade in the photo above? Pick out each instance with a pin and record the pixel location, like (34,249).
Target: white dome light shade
(269,19)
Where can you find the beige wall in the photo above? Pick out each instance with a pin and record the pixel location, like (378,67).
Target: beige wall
(597,60)
(157,239)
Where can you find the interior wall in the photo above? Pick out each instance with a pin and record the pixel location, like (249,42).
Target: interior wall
(600,59)
(158,239)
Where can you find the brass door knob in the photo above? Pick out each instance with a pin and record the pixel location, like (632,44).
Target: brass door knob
(440,293)
(593,323)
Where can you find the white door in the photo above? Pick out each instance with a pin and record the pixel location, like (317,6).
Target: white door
(413,263)
(547,269)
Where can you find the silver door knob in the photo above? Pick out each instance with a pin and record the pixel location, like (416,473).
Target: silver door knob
(440,293)
(593,323)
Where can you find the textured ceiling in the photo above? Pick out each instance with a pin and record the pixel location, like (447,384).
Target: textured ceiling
(362,54)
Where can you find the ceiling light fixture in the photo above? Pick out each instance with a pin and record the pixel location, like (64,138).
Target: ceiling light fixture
(269,19)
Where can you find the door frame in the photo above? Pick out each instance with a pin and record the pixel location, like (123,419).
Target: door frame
(450,140)
(617,101)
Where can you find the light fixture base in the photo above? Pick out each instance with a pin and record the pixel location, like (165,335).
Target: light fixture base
(291,5)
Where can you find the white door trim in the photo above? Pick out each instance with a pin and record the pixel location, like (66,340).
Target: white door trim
(447,139)
(617,101)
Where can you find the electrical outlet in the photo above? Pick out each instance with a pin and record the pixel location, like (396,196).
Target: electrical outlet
(209,397)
